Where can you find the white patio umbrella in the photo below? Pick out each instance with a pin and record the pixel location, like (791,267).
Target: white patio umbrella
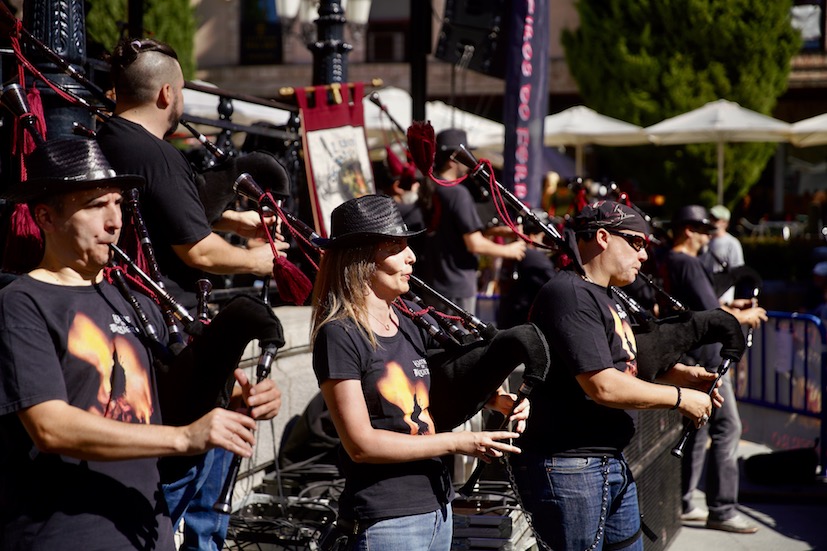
(579,126)
(482,132)
(718,122)
(809,132)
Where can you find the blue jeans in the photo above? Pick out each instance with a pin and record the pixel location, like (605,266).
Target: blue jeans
(425,532)
(571,498)
(192,498)
(724,429)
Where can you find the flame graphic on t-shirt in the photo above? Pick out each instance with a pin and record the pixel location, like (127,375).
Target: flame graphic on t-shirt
(409,396)
(133,403)
(627,338)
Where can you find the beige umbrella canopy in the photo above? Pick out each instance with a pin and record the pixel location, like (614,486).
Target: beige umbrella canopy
(579,126)
(718,122)
(482,132)
(809,132)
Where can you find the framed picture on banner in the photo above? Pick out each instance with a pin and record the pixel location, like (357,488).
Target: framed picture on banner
(335,149)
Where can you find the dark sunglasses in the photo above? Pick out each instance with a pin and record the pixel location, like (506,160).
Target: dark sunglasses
(637,242)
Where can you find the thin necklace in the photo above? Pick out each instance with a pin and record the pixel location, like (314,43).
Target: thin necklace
(387,326)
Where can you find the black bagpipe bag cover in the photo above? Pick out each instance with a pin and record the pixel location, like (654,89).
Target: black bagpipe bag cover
(661,344)
(464,379)
(200,378)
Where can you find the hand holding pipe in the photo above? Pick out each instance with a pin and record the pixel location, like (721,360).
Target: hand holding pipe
(535,373)
(479,170)
(224,502)
(246,186)
(688,427)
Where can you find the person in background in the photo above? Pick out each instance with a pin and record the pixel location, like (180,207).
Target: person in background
(371,366)
(457,238)
(689,282)
(724,251)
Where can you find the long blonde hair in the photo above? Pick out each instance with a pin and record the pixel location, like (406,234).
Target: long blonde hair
(341,288)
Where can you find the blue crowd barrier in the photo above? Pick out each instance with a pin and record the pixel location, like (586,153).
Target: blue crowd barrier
(786,369)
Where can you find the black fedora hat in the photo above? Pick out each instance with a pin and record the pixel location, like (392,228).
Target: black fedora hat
(695,216)
(451,138)
(65,165)
(366,218)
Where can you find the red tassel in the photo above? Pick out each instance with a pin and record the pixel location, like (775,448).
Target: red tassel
(24,244)
(293,285)
(395,166)
(422,145)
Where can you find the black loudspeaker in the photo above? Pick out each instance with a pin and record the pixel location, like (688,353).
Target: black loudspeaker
(478,28)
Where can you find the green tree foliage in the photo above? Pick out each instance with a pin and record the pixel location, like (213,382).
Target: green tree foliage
(171,21)
(643,61)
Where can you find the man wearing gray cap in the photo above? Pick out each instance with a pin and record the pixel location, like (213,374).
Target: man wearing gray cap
(724,251)
(689,282)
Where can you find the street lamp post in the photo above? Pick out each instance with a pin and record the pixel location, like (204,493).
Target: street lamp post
(330,49)
(60,25)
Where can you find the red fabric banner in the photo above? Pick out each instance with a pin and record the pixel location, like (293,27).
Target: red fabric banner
(335,148)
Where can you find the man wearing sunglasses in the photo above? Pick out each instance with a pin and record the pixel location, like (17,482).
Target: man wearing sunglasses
(689,282)
(572,475)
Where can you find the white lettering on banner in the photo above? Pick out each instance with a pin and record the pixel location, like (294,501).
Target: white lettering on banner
(521,151)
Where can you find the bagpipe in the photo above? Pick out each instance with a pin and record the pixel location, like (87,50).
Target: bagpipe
(660,342)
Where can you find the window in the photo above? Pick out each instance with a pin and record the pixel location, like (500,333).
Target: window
(808,18)
(260,33)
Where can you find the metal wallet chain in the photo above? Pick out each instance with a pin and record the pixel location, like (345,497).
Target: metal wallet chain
(604,507)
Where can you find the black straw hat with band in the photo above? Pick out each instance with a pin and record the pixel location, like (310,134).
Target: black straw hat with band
(366,218)
(66,165)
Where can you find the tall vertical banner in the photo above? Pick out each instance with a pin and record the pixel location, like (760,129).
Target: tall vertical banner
(526,98)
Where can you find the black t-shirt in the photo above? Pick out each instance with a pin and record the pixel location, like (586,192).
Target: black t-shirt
(690,283)
(395,381)
(77,345)
(532,272)
(454,266)
(588,330)
(169,201)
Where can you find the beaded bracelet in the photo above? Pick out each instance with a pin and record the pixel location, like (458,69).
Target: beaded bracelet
(678,403)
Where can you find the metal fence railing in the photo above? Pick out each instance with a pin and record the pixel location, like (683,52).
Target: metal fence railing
(786,369)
